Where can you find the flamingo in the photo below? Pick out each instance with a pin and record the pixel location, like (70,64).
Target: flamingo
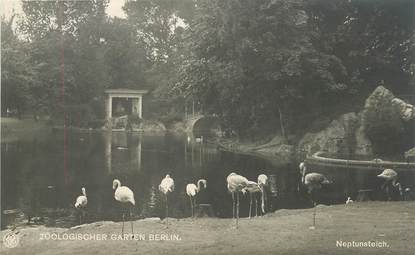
(192,190)
(236,183)
(313,182)
(262,182)
(125,196)
(167,186)
(390,176)
(81,202)
(409,194)
(349,201)
(303,169)
(253,188)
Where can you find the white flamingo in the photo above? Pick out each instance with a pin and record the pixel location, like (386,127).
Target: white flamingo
(389,175)
(81,203)
(192,190)
(236,183)
(313,182)
(167,186)
(303,169)
(125,196)
(253,188)
(349,201)
(301,166)
(263,182)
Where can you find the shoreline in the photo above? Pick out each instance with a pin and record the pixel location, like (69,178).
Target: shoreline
(13,129)
(285,231)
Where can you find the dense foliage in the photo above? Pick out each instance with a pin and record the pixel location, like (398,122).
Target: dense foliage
(277,65)
(263,66)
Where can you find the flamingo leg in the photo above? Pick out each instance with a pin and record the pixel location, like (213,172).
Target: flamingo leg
(167,211)
(132,227)
(314,215)
(233,205)
(194,202)
(388,193)
(122,231)
(256,207)
(191,204)
(237,208)
(250,204)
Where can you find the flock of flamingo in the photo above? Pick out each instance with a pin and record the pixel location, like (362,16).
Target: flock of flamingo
(236,184)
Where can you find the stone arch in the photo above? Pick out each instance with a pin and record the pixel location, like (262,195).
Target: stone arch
(204,126)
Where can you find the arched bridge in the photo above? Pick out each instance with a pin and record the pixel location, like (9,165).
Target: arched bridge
(201,124)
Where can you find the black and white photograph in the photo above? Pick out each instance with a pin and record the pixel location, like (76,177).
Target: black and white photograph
(207,127)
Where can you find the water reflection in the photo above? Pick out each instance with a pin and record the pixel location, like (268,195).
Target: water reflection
(35,181)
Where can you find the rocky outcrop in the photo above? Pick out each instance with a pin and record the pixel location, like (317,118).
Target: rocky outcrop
(382,97)
(363,145)
(338,137)
(410,155)
(346,135)
(407,111)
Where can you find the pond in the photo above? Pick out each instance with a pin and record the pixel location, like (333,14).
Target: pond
(41,178)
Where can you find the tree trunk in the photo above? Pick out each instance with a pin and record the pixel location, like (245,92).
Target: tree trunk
(282,123)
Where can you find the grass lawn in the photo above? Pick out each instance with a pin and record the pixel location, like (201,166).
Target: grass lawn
(13,129)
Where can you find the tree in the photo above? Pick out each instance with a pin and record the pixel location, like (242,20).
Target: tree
(155,23)
(253,62)
(158,25)
(18,76)
(374,40)
(125,57)
(65,39)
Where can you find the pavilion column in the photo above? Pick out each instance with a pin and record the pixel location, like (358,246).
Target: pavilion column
(108,104)
(140,106)
(108,152)
(109,107)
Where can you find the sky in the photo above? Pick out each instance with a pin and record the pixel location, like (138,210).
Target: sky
(8,6)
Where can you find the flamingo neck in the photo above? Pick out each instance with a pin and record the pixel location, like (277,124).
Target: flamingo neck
(117,184)
(397,184)
(83,192)
(199,186)
(303,175)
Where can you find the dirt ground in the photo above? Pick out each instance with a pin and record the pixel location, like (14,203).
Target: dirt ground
(284,232)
